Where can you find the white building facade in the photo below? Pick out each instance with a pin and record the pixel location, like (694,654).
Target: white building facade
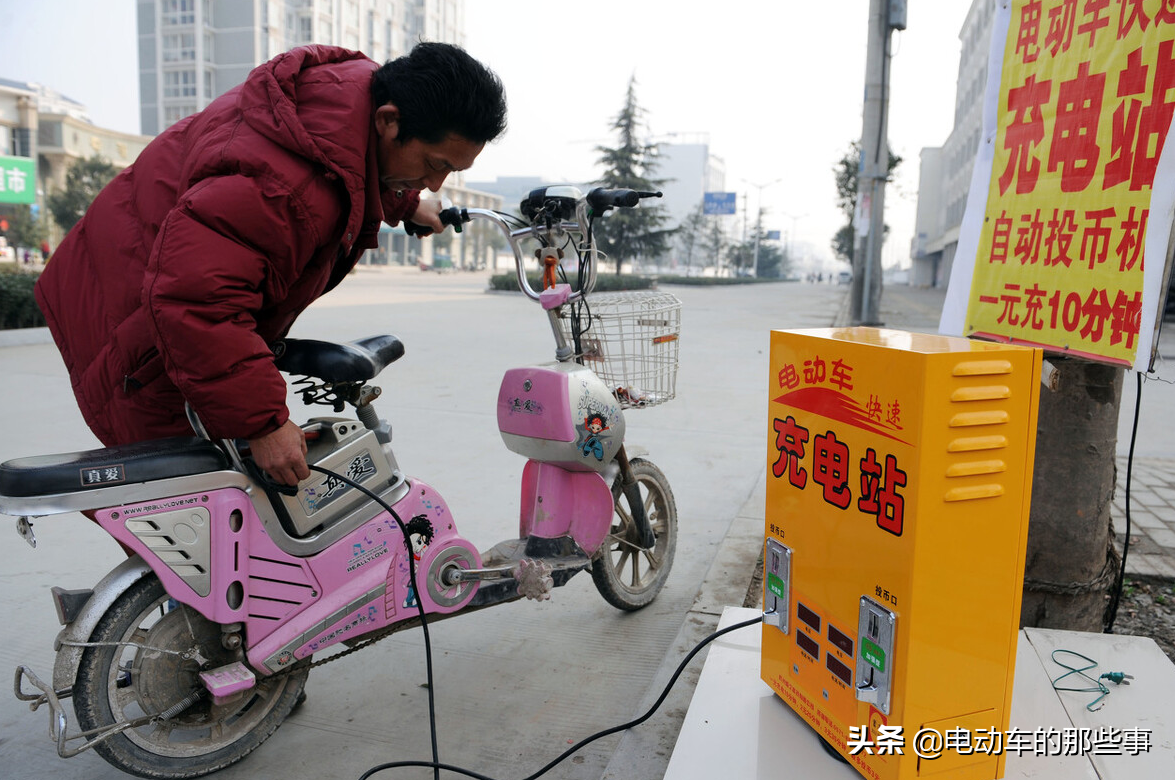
(945,175)
(49,132)
(192,51)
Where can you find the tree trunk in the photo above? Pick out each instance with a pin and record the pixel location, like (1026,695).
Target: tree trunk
(1071,562)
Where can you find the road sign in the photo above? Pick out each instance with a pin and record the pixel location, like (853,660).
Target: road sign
(720,203)
(17,177)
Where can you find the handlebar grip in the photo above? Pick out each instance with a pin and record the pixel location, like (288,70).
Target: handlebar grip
(601,199)
(416,231)
(454,217)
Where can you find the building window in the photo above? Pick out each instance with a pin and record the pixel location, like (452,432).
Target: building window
(49,133)
(22,142)
(179,83)
(305,29)
(173,114)
(179,12)
(179,47)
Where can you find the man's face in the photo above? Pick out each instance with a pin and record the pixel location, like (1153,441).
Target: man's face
(414,164)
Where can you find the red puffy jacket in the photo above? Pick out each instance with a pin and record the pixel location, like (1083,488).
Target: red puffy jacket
(204,251)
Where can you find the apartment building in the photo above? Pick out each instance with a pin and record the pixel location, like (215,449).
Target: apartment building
(193,51)
(945,175)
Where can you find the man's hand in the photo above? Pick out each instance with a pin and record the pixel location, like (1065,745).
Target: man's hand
(282,454)
(428,214)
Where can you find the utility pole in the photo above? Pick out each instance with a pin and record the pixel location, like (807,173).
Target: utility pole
(758,220)
(865,304)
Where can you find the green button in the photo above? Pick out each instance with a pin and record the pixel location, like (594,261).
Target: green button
(775,585)
(873,654)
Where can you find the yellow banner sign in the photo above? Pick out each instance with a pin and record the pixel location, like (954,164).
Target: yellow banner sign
(1085,100)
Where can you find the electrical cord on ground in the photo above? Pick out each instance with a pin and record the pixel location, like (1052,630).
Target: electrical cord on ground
(1112,611)
(588,740)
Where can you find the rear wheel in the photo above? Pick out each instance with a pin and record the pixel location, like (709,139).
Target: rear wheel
(147,673)
(627,575)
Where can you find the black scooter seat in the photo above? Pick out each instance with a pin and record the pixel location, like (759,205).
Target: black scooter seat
(357,361)
(143,461)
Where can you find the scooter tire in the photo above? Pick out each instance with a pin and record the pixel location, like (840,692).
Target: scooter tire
(628,576)
(135,682)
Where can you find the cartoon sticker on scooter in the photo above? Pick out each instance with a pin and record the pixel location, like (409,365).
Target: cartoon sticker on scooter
(591,444)
(420,534)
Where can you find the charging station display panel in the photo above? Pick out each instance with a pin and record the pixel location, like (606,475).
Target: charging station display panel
(899,477)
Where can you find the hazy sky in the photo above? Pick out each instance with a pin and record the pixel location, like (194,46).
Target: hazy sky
(777,85)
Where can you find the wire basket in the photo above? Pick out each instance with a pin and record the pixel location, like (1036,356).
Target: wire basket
(631,343)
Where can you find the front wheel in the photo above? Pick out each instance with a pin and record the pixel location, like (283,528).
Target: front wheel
(143,663)
(627,575)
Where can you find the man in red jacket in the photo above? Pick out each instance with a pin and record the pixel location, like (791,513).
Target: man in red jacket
(201,254)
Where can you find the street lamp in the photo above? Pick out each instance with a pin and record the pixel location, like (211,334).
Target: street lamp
(759,217)
(792,236)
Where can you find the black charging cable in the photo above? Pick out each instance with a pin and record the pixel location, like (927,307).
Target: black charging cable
(432,715)
(588,740)
(436,764)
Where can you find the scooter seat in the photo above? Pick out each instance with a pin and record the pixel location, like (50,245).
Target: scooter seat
(357,361)
(143,461)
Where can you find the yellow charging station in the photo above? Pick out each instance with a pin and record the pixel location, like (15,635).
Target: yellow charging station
(898,486)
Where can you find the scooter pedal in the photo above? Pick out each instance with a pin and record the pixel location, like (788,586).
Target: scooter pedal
(534,579)
(227,681)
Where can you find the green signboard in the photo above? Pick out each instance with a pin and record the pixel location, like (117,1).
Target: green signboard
(17,180)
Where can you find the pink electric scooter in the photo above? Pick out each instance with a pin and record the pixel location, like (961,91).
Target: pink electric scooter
(191,652)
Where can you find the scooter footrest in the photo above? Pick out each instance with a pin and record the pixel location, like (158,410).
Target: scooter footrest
(534,579)
(227,681)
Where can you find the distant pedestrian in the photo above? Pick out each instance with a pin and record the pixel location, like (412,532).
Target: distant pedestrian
(44,251)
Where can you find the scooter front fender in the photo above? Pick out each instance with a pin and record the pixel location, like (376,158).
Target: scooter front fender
(113,585)
(557,502)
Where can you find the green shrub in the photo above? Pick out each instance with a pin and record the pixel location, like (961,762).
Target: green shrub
(604,282)
(18,309)
(713,280)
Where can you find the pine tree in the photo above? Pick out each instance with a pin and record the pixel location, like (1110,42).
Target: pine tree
(631,233)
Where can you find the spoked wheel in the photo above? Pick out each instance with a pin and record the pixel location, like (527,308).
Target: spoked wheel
(154,667)
(627,575)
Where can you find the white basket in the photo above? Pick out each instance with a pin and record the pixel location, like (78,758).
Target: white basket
(631,342)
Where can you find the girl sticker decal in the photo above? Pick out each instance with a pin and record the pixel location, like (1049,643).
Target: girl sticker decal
(590,442)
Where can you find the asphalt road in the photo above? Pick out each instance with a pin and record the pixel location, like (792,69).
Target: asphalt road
(515,684)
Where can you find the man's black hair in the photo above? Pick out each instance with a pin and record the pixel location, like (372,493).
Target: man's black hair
(439,89)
